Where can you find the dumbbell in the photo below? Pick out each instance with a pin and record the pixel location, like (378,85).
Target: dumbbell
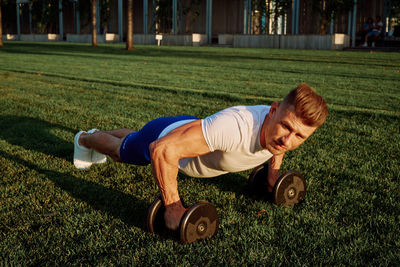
(289,189)
(200,220)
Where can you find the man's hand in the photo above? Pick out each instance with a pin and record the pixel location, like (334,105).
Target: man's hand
(273,170)
(173,214)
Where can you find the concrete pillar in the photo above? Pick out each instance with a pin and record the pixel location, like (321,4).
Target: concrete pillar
(30,19)
(283,24)
(387,6)
(349,24)
(353,32)
(98,23)
(154,18)
(180,7)
(60,20)
(74,15)
(297,16)
(209,21)
(247,17)
(249,20)
(145,15)
(120,32)
(294,17)
(332,25)
(18,22)
(78,18)
(263,24)
(174,16)
(390,14)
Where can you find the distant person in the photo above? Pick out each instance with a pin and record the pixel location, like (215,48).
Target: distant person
(367,28)
(375,32)
(232,140)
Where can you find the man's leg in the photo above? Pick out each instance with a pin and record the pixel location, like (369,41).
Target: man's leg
(376,35)
(366,40)
(105,142)
(122,145)
(120,133)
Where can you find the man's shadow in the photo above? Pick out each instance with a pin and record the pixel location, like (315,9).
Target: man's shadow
(37,135)
(236,183)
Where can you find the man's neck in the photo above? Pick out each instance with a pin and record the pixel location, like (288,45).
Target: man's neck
(262,133)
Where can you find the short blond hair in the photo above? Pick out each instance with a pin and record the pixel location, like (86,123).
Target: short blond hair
(309,106)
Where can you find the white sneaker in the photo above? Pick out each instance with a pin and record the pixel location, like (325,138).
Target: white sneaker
(96,156)
(82,155)
(365,44)
(373,45)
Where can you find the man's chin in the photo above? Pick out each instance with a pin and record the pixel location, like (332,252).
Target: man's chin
(275,151)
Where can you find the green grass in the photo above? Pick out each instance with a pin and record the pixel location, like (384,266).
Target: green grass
(52,213)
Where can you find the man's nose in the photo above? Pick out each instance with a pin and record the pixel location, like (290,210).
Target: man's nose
(287,139)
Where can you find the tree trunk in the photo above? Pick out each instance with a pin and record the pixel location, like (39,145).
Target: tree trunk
(94,28)
(129,37)
(1,27)
(256,17)
(268,16)
(276,17)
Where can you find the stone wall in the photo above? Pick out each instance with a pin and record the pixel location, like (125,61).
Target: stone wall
(324,42)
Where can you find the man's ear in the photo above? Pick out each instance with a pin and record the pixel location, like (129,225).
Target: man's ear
(274,108)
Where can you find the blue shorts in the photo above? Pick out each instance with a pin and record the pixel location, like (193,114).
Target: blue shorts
(135,146)
(374,33)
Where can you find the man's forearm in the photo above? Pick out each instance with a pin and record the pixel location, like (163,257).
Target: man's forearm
(273,170)
(165,175)
(166,179)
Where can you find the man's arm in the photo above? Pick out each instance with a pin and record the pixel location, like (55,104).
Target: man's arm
(378,26)
(186,141)
(273,170)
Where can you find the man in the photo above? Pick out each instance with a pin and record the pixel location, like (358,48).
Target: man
(232,140)
(367,27)
(375,32)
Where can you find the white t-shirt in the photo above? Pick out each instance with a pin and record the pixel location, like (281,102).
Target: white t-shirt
(233,136)
(380,24)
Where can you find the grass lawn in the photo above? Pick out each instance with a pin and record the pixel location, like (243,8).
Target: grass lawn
(52,213)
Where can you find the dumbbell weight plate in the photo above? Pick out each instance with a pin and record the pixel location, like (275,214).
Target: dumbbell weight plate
(155,216)
(199,222)
(289,189)
(258,182)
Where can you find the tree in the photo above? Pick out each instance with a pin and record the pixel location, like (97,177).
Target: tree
(191,10)
(259,9)
(268,9)
(94,28)
(1,27)
(105,14)
(281,7)
(329,9)
(129,37)
(163,14)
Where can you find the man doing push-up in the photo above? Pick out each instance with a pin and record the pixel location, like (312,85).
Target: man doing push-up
(232,140)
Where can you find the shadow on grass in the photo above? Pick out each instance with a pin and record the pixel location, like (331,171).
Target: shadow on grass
(230,183)
(35,134)
(109,51)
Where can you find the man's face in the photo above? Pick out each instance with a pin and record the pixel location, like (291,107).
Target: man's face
(283,130)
